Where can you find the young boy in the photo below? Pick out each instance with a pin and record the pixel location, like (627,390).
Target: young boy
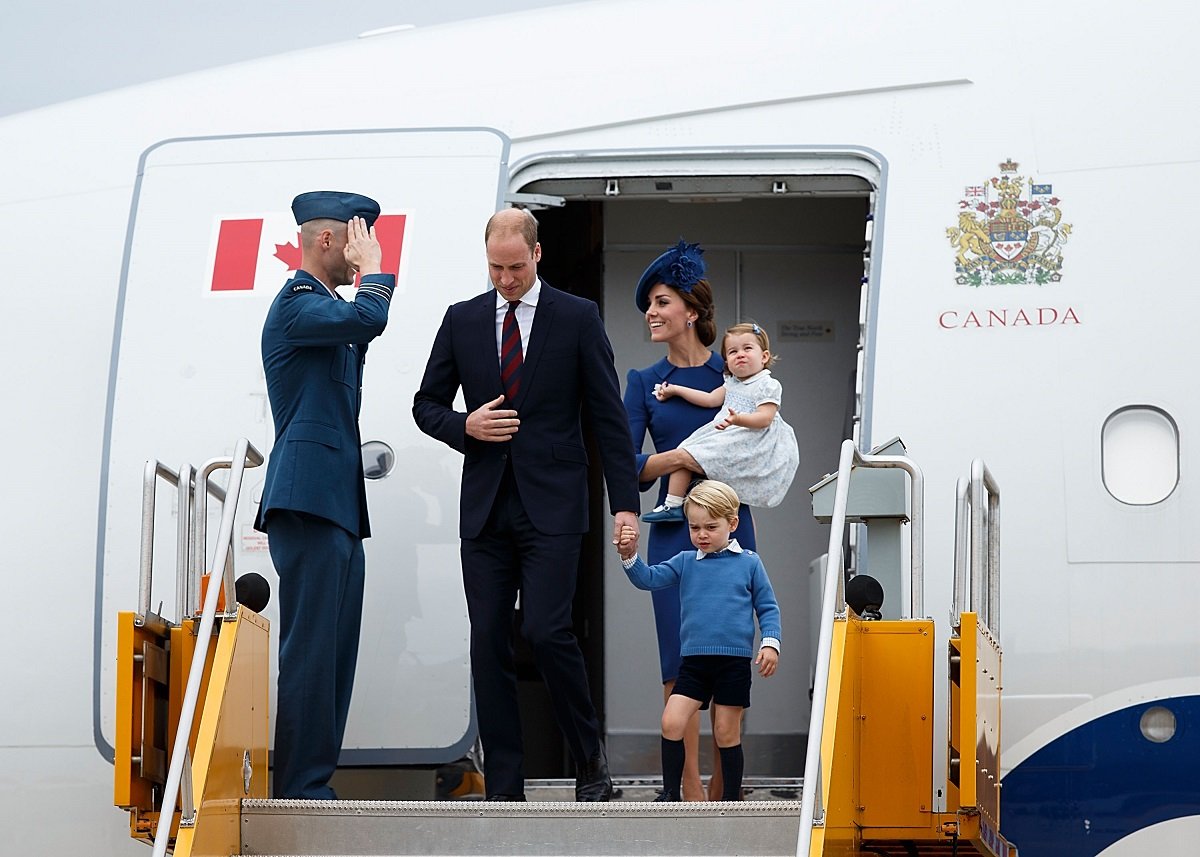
(721,589)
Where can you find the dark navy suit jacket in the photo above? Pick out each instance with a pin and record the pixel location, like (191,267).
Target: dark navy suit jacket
(313,348)
(567,377)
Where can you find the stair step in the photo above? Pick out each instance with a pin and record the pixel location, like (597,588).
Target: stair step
(452,828)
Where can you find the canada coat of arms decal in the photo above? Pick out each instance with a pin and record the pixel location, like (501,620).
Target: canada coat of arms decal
(1009,231)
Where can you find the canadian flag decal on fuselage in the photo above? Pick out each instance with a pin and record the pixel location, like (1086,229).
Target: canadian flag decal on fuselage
(265,250)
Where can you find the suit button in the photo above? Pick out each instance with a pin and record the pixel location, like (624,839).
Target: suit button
(504,456)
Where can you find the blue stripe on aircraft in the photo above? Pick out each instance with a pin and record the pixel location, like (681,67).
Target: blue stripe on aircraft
(1103,781)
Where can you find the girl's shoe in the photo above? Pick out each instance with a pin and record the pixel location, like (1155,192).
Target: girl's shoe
(664,514)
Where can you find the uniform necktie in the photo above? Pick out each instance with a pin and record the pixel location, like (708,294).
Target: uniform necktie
(510,352)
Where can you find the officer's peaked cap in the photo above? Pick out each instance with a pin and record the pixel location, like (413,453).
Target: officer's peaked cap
(334,205)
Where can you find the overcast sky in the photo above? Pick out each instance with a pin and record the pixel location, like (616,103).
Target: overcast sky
(56,51)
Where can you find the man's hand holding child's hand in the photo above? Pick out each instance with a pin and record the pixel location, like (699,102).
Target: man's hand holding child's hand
(627,544)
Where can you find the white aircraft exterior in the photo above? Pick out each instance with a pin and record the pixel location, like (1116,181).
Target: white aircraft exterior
(957,222)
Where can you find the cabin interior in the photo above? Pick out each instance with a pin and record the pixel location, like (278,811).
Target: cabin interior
(786,252)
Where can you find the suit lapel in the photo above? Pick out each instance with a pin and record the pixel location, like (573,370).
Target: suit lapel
(484,330)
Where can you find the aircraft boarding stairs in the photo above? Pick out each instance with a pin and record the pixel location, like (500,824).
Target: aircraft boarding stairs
(871,751)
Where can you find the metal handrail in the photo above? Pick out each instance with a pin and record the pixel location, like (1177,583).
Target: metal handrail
(184,481)
(833,607)
(187,479)
(244,455)
(151,474)
(984,518)
(200,532)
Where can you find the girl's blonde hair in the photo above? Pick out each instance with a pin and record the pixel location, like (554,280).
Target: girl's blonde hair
(759,333)
(716,498)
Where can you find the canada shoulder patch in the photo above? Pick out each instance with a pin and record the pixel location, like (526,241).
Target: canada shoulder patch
(302,287)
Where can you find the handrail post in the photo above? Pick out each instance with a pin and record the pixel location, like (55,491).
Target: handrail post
(833,607)
(960,551)
(244,454)
(833,603)
(150,475)
(977,512)
(200,524)
(187,476)
(985,555)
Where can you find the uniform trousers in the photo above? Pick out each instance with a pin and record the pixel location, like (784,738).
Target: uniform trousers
(510,556)
(321,575)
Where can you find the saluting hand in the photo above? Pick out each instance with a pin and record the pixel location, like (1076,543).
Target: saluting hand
(362,248)
(492,425)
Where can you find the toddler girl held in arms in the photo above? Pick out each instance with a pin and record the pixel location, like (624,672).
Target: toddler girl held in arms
(748,446)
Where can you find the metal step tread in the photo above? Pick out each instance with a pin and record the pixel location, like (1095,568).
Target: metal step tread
(500,829)
(479,808)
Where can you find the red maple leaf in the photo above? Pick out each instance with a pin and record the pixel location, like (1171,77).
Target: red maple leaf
(289,254)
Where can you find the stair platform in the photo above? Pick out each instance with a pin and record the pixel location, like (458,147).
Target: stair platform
(447,828)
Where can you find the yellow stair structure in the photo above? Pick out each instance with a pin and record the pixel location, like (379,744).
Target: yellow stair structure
(869,786)
(874,694)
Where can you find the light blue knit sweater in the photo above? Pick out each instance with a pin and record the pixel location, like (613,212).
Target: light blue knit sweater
(719,596)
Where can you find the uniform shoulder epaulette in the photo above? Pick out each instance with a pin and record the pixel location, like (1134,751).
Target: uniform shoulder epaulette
(302,287)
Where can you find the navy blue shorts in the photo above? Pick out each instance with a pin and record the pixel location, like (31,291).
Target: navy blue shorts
(723,679)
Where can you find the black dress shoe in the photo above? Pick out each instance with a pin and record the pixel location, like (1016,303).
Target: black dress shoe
(593,782)
(667,797)
(513,798)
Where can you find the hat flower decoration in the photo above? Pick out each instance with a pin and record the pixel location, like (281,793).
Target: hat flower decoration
(686,268)
(680,267)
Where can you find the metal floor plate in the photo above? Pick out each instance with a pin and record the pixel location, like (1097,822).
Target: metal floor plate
(445,828)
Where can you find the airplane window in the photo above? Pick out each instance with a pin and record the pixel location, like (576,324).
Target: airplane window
(1139,455)
(1158,724)
(378,459)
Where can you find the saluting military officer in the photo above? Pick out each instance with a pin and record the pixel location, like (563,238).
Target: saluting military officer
(314,507)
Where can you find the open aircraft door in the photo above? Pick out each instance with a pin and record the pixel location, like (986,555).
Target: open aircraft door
(210,241)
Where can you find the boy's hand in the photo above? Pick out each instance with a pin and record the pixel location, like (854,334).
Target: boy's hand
(627,543)
(767,660)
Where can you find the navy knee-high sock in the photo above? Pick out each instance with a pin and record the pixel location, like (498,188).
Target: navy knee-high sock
(732,765)
(672,766)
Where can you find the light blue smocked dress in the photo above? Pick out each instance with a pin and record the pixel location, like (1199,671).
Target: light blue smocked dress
(759,464)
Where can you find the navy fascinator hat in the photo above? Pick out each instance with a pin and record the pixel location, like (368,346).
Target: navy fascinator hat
(680,267)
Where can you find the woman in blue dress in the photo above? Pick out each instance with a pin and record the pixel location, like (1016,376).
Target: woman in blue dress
(678,304)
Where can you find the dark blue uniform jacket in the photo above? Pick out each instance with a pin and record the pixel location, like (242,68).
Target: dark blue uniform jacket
(313,348)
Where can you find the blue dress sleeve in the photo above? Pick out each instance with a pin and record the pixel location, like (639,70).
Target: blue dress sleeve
(639,420)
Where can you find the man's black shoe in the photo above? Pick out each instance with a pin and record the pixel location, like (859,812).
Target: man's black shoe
(593,782)
(513,798)
(667,797)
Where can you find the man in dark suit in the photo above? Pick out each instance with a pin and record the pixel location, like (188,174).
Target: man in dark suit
(533,363)
(314,504)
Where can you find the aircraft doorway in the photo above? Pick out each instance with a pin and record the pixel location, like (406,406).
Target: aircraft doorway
(791,263)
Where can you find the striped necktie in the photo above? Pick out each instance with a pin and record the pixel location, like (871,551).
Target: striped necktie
(510,352)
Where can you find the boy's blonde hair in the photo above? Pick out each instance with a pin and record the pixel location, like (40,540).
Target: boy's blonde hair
(759,332)
(716,498)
